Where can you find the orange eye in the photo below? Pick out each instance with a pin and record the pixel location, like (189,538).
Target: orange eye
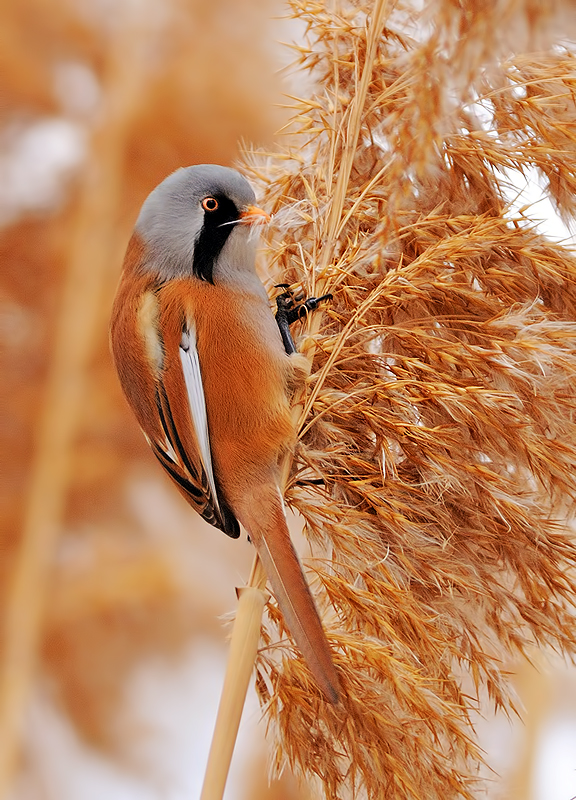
(209,204)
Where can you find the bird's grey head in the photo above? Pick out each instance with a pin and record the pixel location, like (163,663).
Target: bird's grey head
(192,224)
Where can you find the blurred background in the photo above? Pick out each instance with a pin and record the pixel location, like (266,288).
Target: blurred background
(114,645)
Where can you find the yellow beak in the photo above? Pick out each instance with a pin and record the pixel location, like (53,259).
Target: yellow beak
(252,215)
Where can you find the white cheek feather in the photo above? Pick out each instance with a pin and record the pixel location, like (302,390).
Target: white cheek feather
(195,391)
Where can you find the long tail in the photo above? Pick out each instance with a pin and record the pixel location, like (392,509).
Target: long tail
(266,524)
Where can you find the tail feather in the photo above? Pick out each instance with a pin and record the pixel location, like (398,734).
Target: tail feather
(269,533)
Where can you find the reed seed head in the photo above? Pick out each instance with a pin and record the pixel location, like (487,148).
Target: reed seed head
(440,411)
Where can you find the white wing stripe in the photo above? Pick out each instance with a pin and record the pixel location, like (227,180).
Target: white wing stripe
(195,391)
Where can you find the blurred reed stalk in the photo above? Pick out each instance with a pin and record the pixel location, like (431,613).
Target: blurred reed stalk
(534,684)
(91,270)
(440,414)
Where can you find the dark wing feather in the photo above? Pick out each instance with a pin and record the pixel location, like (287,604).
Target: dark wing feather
(190,479)
(181,458)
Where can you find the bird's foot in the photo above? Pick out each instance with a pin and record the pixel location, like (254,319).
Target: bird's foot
(297,307)
(289,309)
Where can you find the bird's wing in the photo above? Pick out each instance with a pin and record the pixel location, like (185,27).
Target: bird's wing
(197,403)
(180,438)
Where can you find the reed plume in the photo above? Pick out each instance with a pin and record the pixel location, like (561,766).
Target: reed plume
(436,465)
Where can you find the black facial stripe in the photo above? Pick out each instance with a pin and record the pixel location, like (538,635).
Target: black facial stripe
(215,231)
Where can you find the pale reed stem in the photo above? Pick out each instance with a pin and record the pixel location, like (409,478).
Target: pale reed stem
(243,649)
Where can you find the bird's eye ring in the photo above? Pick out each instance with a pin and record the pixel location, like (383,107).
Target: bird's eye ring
(209,204)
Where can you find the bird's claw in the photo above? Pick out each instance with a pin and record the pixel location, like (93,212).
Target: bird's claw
(290,308)
(296,308)
(310,304)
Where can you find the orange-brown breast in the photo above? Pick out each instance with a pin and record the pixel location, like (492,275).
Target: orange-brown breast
(245,374)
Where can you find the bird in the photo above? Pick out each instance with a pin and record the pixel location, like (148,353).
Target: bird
(204,368)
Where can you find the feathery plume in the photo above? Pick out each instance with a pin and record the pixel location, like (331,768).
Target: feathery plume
(440,412)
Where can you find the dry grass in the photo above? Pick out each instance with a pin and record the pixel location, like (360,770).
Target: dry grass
(440,412)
